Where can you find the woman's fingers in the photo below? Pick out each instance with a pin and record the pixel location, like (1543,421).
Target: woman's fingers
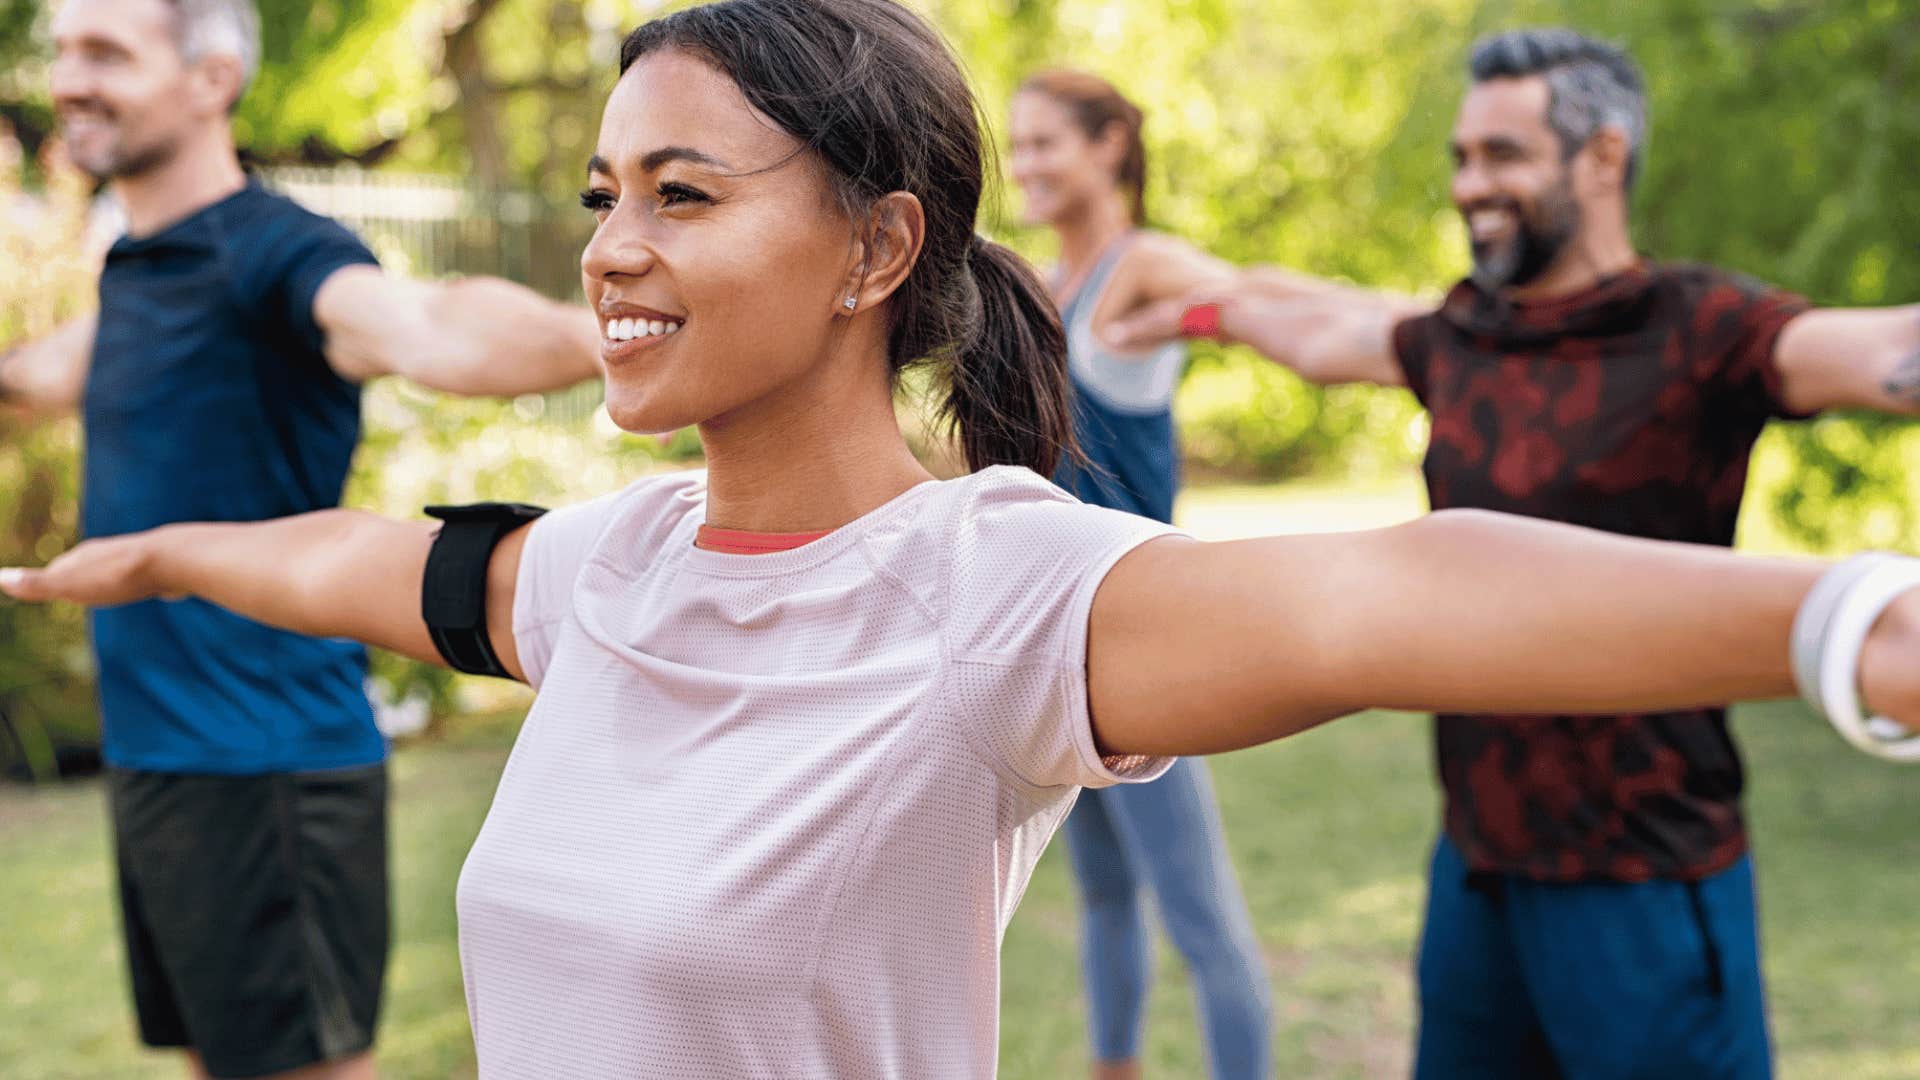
(98,573)
(23,584)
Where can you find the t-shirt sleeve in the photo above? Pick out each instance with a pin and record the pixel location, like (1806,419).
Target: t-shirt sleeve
(326,247)
(289,263)
(1738,321)
(556,548)
(1028,560)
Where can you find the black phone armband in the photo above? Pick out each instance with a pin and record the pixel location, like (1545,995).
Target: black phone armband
(453,595)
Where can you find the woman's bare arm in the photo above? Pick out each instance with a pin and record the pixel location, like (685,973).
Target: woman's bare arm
(1462,611)
(1155,269)
(1324,332)
(333,573)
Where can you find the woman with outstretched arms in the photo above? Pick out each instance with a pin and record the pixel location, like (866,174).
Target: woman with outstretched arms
(806,718)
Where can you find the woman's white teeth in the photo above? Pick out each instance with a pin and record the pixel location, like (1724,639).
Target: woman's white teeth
(628,329)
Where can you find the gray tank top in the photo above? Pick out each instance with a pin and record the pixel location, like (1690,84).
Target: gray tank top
(1135,382)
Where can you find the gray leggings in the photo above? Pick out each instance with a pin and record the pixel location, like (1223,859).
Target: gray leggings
(1166,836)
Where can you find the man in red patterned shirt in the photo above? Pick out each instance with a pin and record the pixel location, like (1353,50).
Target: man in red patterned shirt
(1591,908)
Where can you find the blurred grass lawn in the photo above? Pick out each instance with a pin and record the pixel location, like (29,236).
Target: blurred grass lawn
(1329,831)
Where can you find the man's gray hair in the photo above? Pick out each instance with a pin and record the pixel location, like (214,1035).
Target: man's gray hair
(1592,84)
(204,28)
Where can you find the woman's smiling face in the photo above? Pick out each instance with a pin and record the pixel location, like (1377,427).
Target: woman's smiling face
(1059,168)
(721,257)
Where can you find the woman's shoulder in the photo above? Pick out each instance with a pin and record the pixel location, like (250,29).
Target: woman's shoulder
(1014,517)
(646,508)
(1149,243)
(1022,556)
(1151,246)
(999,489)
(973,521)
(670,494)
(682,487)
(1172,261)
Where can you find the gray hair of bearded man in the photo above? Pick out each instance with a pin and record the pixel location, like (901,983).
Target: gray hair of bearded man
(203,28)
(1592,84)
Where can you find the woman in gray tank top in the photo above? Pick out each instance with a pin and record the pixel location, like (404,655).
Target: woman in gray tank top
(1079,161)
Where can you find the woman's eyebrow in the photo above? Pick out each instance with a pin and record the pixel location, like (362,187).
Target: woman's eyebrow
(653,159)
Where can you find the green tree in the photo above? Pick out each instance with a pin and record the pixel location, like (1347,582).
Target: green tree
(1297,132)
(1313,135)
(45,694)
(1784,142)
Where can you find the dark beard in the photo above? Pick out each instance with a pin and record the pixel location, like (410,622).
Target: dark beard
(125,162)
(139,161)
(1541,235)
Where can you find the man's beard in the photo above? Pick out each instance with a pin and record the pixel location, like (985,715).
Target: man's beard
(121,159)
(1538,237)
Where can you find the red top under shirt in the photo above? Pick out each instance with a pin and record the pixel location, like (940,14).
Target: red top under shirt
(743,542)
(1630,407)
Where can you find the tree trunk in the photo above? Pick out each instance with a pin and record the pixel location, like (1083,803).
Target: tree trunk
(478,104)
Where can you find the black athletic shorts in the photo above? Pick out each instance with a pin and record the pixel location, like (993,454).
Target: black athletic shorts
(255,910)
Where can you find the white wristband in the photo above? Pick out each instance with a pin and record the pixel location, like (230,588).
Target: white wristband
(1810,626)
(1829,636)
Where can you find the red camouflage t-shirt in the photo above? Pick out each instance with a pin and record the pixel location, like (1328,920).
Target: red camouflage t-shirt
(1630,407)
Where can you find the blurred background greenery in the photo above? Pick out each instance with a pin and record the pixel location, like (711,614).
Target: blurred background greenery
(453,133)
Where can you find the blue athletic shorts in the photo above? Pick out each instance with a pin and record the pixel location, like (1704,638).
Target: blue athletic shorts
(1590,981)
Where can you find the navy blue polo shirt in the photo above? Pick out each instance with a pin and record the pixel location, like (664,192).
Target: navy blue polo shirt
(210,399)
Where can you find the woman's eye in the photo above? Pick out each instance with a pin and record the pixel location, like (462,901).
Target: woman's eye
(678,194)
(596,200)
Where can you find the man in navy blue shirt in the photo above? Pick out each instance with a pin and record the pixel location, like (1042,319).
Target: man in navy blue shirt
(219,381)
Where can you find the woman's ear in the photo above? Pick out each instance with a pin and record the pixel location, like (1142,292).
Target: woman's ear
(1112,144)
(885,251)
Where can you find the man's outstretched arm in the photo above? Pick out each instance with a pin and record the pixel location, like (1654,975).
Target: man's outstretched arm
(474,336)
(1852,358)
(1325,333)
(50,373)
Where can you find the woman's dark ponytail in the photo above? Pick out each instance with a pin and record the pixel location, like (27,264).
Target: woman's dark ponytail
(872,90)
(1007,391)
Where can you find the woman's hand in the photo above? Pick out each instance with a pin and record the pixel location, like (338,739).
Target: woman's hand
(1890,663)
(98,573)
(1156,319)
(1155,323)
(327,574)
(1156,273)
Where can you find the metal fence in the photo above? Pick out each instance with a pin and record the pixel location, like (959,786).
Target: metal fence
(435,226)
(432,226)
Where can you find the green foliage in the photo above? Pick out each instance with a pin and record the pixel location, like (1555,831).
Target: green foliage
(1294,132)
(1255,420)
(23,100)
(45,693)
(1784,143)
(423,448)
(343,72)
(1314,135)
(1333,882)
(1269,127)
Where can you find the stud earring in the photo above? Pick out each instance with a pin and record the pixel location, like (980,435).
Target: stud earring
(850,303)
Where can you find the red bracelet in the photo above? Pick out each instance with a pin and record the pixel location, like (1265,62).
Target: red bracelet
(1201,321)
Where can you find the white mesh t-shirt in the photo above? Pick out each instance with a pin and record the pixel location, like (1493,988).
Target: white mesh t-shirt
(770,814)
